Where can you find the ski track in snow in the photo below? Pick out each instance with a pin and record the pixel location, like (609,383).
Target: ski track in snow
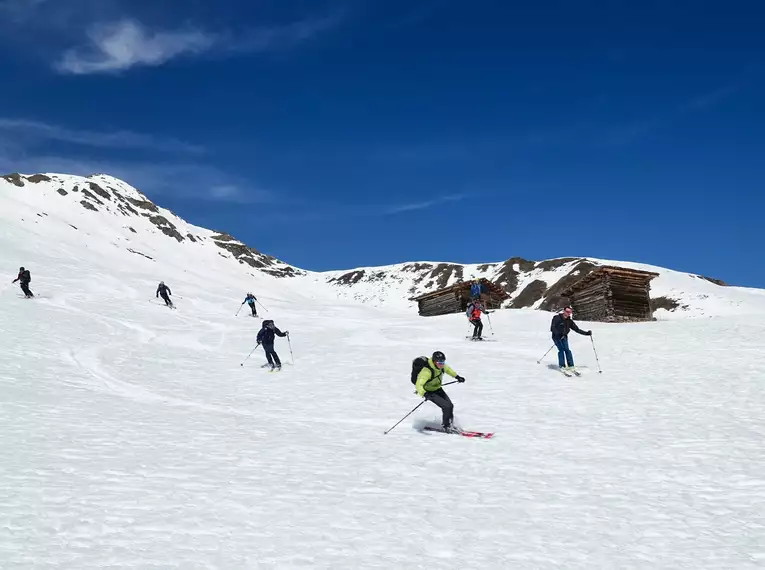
(132,438)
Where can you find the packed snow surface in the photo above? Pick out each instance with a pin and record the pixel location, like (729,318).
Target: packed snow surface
(131,437)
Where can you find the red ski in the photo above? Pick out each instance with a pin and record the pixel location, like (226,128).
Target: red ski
(475,434)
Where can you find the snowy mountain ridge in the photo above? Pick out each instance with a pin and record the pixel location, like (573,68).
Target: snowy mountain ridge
(106,208)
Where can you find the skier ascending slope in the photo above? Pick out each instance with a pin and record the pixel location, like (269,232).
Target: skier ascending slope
(266,337)
(476,289)
(24,278)
(164,290)
(561,324)
(474,310)
(428,385)
(250,299)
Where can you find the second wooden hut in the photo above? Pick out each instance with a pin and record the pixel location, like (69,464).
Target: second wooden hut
(612,294)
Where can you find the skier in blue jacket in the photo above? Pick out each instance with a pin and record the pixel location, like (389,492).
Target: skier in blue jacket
(250,299)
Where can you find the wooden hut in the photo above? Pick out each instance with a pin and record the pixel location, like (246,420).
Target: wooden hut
(612,294)
(455,299)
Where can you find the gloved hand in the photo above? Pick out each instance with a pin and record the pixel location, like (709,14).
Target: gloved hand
(589,333)
(421,391)
(287,333)
(460,379)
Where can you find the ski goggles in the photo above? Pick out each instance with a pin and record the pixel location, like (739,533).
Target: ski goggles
(440,364)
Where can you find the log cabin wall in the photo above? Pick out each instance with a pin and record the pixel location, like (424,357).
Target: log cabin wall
(444,304)
(612,295)
(455,299)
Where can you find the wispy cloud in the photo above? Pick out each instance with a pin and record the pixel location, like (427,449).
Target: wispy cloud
(630,132)
(121,45)
(160,177)
(410,207)
(19,10)
(706,101)
(119,139)
(124,44)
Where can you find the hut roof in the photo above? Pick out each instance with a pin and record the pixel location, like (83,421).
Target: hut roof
(495,290)
(611,270)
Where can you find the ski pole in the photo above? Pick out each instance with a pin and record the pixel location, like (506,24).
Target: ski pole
(240,308)
(289,342)
(415,408)
(261,304)
(596,355)
(545,354)
(406,416)
(491,328)
(253,350)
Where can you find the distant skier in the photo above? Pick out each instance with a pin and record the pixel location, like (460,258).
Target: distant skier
(164,290)
(428,385)
(266,337)
(476,289)
(474,310)
(250,299)
(561,324)
(24,278)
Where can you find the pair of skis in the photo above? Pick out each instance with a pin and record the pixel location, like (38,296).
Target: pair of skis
(463,433)
(474,339)
(569,372)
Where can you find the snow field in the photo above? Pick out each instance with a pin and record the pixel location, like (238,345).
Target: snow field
(132,438)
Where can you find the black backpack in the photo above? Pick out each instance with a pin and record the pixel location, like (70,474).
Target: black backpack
(417,365)
(26,276)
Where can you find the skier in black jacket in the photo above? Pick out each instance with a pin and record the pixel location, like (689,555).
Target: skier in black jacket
(164,290)
(266,338)
(24,278)
(562,323)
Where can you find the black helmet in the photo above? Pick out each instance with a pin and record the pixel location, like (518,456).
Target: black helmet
(21,269)
(438,356)
(268,323)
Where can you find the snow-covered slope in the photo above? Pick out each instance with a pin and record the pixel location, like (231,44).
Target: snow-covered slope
(131,437)
(537,284)
(112,215)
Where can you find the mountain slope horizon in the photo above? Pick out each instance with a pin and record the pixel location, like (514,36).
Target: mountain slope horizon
(109,208)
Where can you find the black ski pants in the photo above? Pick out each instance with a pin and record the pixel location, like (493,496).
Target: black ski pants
(273,358)
(441,399)
(168,302)
(254,310)
(478,328)
(25,288)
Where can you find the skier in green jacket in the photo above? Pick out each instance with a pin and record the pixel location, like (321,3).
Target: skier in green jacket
(428,386)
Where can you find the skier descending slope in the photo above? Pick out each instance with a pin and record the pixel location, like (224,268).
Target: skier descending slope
(24,278)
(266,337)
(561,325)
(428,385)
(474,310)
(164,290)
(250,299)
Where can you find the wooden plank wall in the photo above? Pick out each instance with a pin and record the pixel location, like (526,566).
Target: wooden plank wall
(449,302)
(611,297)
(631,297)
(592,302)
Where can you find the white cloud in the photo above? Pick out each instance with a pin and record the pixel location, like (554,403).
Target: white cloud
(179,179)
(400,208)
(125,44)
(118,139)
(121,45)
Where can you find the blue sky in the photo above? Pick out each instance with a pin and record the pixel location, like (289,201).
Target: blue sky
(340,133)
